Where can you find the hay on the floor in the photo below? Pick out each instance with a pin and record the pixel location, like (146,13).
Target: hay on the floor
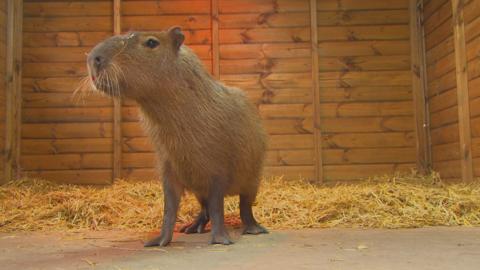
(386,202)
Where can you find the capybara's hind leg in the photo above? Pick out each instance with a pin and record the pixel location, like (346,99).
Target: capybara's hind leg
(215,202)
(198,225)
(172,192)
(246,214)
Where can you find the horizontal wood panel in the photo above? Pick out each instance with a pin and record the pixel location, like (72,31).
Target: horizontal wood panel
(445,134)
(384,32)
(445,152)
(66,24)
(260,35)
(66,161)
(362,17)
(369,155)
(262,6)
(163,22)
(164,7)
(66,130)
(361,5)
(66,146)
(368,140)
(95,177)
(39,115)
(448,169)
(359,172)
(59,9)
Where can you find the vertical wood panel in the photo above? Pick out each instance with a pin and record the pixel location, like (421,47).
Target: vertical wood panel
(462,90)
(13,87)
(418,67)
(215,40)
(117,104)
(315,92)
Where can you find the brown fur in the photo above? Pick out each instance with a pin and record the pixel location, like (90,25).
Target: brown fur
(200,127)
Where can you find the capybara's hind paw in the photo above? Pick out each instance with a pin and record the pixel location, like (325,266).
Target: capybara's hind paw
(198,226)
(221,238)
(254,229)
(157,241)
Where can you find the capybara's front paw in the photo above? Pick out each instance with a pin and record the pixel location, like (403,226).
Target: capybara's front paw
(221,238)
(158,241)
(254,229)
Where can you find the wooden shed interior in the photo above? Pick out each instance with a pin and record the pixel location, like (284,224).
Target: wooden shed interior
(347,89)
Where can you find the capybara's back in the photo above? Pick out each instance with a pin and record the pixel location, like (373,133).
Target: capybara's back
(209,136)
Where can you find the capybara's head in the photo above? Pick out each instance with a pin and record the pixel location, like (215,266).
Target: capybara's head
(130,65)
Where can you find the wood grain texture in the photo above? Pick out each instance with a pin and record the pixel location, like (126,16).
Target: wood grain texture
(13,88)
(117,103)
(418,68)
(462,91)
(3,55)
(317,132)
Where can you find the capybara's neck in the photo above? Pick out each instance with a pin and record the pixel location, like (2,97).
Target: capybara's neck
(185,93)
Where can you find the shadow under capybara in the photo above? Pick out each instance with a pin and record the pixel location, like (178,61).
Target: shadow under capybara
(208,135)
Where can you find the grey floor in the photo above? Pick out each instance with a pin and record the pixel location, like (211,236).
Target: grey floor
(429,248)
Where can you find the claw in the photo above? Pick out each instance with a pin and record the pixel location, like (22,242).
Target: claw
(157,241)
(254,229)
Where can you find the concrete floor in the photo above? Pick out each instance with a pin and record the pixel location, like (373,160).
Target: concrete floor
(430,248)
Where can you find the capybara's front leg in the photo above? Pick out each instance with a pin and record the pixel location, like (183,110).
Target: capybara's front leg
(216,195)
(172,192)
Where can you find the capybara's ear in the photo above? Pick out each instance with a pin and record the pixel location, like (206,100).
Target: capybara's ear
(177,36)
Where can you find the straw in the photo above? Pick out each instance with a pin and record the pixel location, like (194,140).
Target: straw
(400,201)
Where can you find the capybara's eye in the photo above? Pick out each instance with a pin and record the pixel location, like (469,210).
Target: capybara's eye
(151,43)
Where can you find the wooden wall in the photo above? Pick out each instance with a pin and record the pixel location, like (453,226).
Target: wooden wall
(442,92)
(472,39)
(365,88)
(452,40)
(365,91)
(64,139)
(3,48)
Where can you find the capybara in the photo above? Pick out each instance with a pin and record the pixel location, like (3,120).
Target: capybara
(208,136)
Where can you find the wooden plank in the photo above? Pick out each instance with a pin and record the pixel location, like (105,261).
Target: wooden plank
(117,104)
(67,161)
(439,34)
(215,39)
(59,9)
(367,124)
(72,130)
(65,24)
(67,146)
(444,134)
(165,7)
(370,32)
(369,155)
(90,177)
(445,152)
(262,6)
(418,68)
(163,22)
(361,5)
(363,171)
(369,140)
(363,17)
(13,87)
(448,169)
(261,35)
(462,91)
(293,173)
(317,132)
